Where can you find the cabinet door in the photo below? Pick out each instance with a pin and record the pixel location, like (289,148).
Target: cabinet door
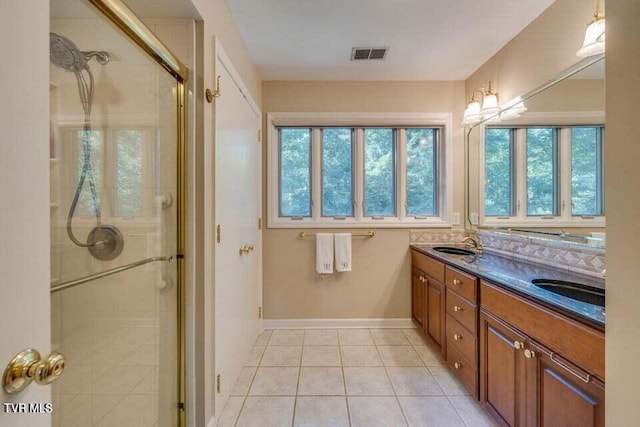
(435,310)
(502,370)
(560,393)
(418,297)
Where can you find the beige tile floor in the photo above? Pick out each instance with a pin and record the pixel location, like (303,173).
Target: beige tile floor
(348,377)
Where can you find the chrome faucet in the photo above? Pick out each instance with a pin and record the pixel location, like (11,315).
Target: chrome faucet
(474,244)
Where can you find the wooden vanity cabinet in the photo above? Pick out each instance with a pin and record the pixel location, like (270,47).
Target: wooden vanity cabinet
(524,382)
(418,298)
(428,296)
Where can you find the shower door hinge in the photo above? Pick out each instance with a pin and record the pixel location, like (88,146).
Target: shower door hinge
(218,386)
(259,223)
(259,312)
(218,233)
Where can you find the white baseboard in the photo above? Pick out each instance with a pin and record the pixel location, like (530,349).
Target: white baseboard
(212,422)
(404,323)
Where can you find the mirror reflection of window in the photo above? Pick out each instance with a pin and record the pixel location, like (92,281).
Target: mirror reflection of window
(587,171)
(94,140)
(499,182)
(128,173)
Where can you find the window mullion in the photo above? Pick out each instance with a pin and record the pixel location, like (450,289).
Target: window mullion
(401,173)
(521,173)
(358,172)
(316,174)
(565,174)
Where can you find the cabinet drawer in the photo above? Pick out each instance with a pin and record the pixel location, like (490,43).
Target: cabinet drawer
(427,264)
(462,340)
(462,368)
(462,311)
(464,284)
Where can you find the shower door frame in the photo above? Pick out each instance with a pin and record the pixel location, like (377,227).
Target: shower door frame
(133,27)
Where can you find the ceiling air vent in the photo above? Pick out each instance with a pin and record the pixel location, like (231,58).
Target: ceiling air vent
(368,53)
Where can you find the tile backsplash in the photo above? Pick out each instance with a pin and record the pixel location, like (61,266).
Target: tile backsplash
(570,256)
(575,257)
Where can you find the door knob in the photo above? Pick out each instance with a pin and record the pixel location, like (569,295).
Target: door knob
(518,345)
(28,366)
(529,354)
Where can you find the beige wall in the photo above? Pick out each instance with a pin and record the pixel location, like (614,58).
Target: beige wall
(379,285)
(623,199)
(545,47)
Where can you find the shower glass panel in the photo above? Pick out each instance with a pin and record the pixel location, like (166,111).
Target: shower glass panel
(114,147)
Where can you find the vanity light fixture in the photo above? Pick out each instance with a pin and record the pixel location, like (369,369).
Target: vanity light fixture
(512,109)
(594,42)
(477,111)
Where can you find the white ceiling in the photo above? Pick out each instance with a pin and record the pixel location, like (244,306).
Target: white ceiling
(429,39)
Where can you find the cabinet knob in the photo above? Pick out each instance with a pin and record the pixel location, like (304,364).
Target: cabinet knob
(457,308)
(457,337)
(457,365)
(457,282)
(518,344)
(529,354)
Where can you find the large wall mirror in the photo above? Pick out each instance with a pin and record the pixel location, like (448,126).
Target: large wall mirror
(543,169)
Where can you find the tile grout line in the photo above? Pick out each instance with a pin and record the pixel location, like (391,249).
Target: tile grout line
(344,380)
(395,394)
(295,398)
(246,396)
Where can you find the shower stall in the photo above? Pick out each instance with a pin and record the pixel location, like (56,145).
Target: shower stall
(117,146)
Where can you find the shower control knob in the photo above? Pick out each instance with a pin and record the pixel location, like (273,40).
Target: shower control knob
(28,366)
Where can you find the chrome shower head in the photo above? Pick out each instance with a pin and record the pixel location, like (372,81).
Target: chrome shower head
(65,54)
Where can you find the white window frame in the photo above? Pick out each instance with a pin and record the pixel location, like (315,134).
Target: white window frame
(564,121)
(359,121)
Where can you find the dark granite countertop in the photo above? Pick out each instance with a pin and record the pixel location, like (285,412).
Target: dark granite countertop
(516,275)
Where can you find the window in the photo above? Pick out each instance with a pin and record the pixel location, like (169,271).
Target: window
(379,172)
(343,170)
(552,174)
(422,172)
(295,172)
(337,172)
(499,161)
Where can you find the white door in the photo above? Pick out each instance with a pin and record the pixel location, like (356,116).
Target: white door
(24,196)
(237,208)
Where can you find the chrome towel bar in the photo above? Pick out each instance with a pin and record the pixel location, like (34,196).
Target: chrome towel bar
(76,282)
(369,234)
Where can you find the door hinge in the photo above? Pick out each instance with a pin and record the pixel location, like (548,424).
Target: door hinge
(259,312)
(259,223)
(218,381)
(181,406)
(218,233)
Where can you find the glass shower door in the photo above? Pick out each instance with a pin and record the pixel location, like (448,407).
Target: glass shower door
(114,226)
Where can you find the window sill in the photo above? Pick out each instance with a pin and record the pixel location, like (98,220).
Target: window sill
(598,222)
(345,223)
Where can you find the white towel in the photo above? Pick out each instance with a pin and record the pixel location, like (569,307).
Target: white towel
(324,253)
(343,251)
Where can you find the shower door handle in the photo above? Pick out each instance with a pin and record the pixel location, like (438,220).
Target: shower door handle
(27,366)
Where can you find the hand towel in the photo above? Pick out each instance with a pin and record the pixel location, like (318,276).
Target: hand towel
(343,251)
(324,253)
